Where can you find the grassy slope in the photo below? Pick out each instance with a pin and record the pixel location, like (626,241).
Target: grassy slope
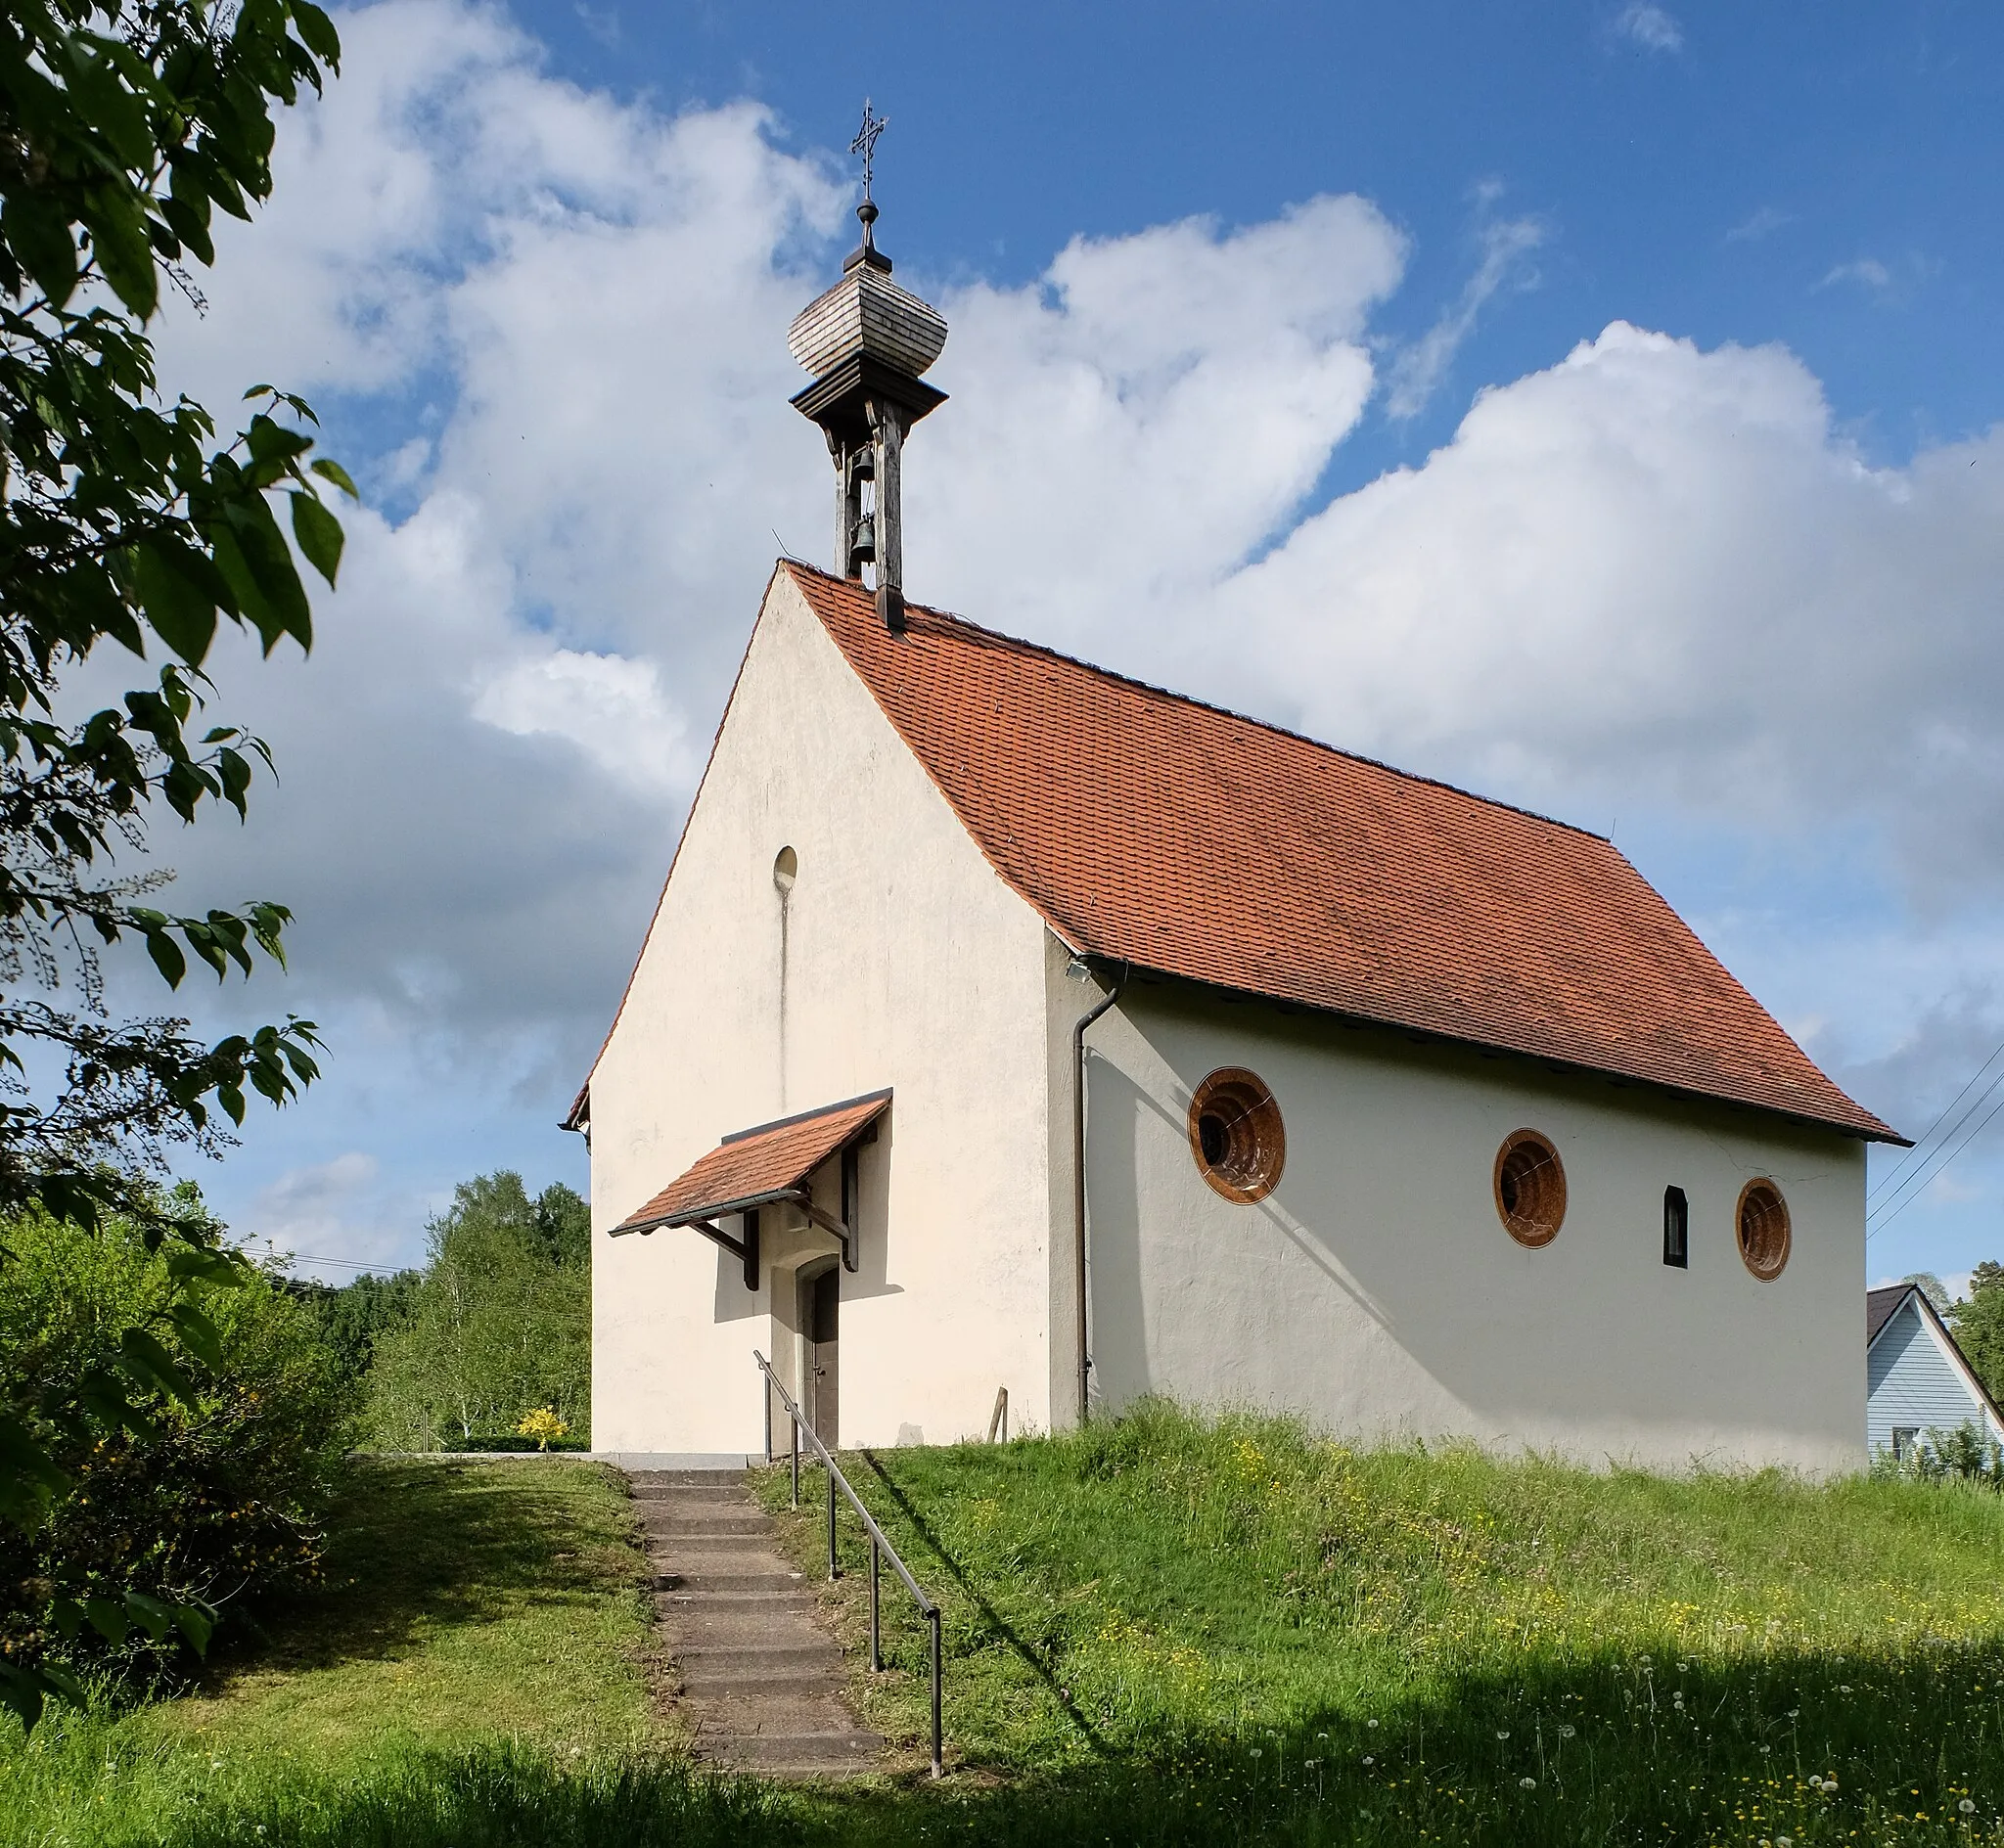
(484,1625)
(1162,1614)
(1159,1632)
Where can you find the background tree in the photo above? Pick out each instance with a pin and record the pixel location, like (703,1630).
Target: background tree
(124,126)
(1931,1287)
(353,1317)
(500,1326)
(1979,1323)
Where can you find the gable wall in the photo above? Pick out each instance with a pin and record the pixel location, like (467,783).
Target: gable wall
(907,964)
(1377,1292)
(1912,1382)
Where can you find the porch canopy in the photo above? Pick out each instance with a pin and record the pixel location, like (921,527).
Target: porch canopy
(767,1166)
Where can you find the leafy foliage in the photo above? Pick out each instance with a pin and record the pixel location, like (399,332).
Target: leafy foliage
(124,124)
(1979,1323)
(218,1489)
(353,1317)
(499,1327)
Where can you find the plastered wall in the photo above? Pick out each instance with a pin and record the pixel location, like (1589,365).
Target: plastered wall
(1377,1292)
(899,959)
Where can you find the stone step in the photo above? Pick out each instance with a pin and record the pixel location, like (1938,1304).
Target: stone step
(694,1494)
(709,1547)
(641,1478)
(674,1581)
(778,1597)
(760,1658)
(708,1521)
(697,1678)
(800,1754)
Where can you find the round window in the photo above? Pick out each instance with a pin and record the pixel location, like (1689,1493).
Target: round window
(1530,1188)
(1236,1136)
(1763,1225)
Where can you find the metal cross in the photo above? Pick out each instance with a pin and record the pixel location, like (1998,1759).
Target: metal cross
(865,143)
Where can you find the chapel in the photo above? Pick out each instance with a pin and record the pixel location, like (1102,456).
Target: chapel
(1013,1040)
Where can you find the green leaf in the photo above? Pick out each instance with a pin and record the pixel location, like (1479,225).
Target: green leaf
(319,535)
(199,1334)
(221,1270)
(330,470)
(28,1475)
(181,607)
(23,1692)
(107,1618)
(143,1355)
(154,1617)
(108,106)
(196,1625)
(190,226)
(118,230)
(317,32)
(269,563)
(40,235)
(166,956)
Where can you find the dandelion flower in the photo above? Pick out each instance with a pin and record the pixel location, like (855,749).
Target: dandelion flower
(1369,1760)
(1967,1807)
(1255,1751)
(1784,1842)
(1502,1734)
(1566,1731)
(1765,1750)
(1844,1686)
(1372,1723)
(1526,1783)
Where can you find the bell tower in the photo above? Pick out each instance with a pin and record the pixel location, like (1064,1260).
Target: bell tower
(866,342)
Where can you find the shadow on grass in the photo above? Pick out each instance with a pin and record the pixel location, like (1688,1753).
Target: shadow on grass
(430,1544)
(1602,1751)
(1036,1661)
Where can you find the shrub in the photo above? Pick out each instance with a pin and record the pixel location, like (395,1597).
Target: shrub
(222,1500)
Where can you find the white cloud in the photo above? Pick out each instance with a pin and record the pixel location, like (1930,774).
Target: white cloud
(1761,223)
(1650,26)
(1867,271)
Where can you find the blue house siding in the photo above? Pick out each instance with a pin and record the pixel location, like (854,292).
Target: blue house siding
(1910,1382)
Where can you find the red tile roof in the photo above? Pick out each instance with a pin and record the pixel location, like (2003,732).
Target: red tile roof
(755,1164)
(1158,831)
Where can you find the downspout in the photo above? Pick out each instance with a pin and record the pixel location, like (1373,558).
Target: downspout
(1078,1187)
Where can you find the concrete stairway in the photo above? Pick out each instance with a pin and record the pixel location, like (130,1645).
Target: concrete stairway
(761,1677)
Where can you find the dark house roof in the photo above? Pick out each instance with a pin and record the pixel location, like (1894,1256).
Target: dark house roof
(1155,831)
(1879,1305)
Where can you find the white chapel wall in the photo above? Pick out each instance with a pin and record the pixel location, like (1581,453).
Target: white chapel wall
(909,963)
(1377,1292)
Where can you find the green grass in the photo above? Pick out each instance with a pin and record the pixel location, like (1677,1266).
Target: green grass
(1163,1631)
(483,1630)
(1317,1643)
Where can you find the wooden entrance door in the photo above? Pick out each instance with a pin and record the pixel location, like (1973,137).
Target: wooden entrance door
(820,1322)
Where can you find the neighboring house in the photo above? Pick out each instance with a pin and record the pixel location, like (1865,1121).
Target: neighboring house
(1916,1377)
(1402,1110)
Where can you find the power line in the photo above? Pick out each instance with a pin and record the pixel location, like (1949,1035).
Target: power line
(1923,1177)
(1919,1151)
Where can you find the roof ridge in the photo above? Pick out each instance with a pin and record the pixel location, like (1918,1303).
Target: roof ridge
(1023,644)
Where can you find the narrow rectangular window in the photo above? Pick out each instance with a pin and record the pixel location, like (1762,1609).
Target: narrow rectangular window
(1904,1437)
(1676,1227)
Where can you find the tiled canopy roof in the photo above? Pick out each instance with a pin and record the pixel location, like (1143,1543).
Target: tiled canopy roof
(1154,830)
(757,1164)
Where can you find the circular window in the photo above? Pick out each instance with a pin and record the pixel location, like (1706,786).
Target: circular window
(1763,1225)
(1530,1188)
(1236,1135)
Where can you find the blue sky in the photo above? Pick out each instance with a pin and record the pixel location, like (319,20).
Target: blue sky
(1590,403)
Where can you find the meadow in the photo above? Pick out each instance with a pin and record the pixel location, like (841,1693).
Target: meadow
(1163,1629)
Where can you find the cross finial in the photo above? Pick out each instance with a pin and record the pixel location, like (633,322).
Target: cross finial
(865,143)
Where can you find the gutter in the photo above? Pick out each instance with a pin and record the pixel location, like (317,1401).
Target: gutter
(1078,1266)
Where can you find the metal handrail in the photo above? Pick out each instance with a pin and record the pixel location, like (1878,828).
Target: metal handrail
(879,1546)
